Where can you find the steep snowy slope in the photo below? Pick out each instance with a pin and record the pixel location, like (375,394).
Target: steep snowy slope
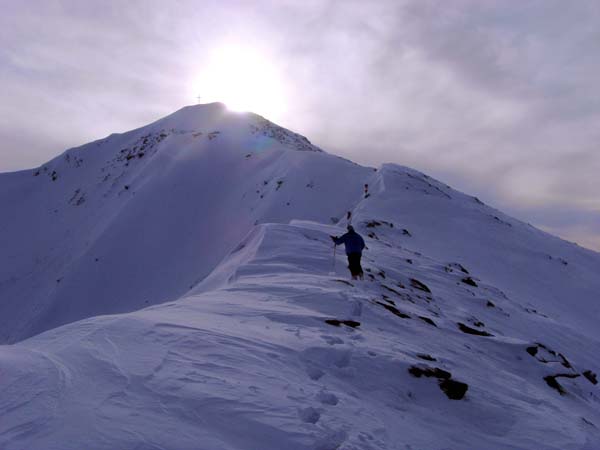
(540,271)
(472,330)
(138,218)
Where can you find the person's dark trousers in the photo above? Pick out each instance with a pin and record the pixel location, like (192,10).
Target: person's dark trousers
(354,265)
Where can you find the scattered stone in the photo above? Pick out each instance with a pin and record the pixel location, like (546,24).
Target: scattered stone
(490,304)
(450,268)
(348,323)
(387,299)
(551,381)
(454,390)
(419,285)
(391,290)
(591,376)
(565,362)
(394,310)
(469,281)
(426,357)
(588,422)
(427,320)
(466,329)
(429,372)
(532,350)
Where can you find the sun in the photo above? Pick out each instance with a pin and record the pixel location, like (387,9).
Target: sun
(242,78)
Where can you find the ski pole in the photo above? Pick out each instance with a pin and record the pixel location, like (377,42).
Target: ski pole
(333,266)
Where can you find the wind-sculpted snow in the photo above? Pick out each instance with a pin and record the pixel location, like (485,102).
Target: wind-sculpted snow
(283,352)
(205,235)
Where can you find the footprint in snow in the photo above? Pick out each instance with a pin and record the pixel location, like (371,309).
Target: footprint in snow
(327,398)
(309,415)
(314,373)
(331,340)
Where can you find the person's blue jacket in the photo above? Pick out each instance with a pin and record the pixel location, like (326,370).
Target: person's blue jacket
(352,240)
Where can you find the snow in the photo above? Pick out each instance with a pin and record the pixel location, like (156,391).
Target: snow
(203,323)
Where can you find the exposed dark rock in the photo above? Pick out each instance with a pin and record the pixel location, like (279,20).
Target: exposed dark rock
(565,362)
(478,323)
(378,223)
(425,356)
(345,282)
(348,323)
(490,304)
(394,310)
(436,372)
(466,329)
(462,269)
(551,381)
(452,266)
(535,311)
(454,390)
(532,350)
(419,285)
(588,422)
(469,281)
(405,232)
(391,290)
(387,299)
(427,320)
(591,376)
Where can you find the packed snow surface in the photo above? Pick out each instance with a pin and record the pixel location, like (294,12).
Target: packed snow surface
(175,287)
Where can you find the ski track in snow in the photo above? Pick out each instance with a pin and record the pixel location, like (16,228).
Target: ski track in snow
(271,348)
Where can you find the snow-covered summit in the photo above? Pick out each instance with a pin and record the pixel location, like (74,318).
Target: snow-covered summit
(183,281)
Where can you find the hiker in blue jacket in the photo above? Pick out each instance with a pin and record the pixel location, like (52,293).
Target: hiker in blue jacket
(354,244)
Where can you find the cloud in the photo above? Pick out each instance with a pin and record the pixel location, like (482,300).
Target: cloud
(498,98)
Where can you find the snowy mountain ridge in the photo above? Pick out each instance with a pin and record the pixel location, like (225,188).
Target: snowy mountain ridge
(183,280)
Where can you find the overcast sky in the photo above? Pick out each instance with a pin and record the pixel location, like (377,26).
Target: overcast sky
(500,99)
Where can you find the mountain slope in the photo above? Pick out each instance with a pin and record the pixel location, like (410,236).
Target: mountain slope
(138,218)
(471,329)
(253,364)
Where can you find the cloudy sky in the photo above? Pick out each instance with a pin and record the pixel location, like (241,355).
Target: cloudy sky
(500,99)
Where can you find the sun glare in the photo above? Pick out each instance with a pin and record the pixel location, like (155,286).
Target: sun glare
(244,80)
